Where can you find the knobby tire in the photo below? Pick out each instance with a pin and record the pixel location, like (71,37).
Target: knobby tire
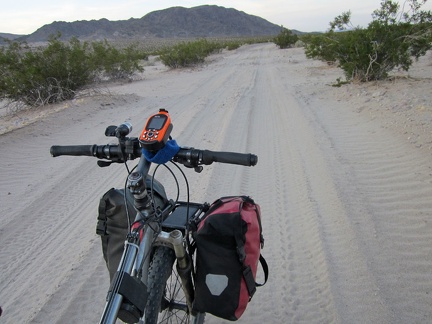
(166,301)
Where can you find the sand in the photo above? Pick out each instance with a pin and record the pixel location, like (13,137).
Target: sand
(344,180)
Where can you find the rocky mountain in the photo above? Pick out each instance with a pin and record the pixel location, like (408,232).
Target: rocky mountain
(175,22)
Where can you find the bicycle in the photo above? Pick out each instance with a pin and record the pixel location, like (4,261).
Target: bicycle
(147,287)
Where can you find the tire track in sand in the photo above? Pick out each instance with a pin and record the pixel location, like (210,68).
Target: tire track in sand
(298,289)
(293,235)
(386,186)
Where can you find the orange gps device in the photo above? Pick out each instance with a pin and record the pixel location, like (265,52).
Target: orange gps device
(156,131)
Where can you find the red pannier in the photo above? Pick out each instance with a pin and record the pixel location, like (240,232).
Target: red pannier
(228,241)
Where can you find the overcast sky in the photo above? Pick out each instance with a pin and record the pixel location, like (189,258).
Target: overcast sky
(26,16)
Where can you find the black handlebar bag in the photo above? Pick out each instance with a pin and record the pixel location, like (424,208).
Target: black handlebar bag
(228,250)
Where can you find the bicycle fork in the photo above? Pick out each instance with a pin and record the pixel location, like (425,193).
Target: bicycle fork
(125,284)
(184,264)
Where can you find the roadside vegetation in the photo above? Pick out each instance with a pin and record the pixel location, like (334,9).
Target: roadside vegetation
(285,39)
(188,53)
(36,76)
(50,74)
(191,53)
(394,39)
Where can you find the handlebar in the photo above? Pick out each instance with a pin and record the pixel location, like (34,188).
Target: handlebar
(74,150)
(99,151)
(198,157)
(188,156)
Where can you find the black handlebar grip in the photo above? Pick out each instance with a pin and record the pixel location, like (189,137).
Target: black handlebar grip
(246,159)
(74,150)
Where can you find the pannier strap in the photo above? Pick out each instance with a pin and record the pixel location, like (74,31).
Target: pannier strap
(249,279)
(247,271)
(265,269)
(101,227)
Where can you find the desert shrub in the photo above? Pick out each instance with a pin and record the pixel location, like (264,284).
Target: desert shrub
(39,76)
(392,40)
(43,75)
(232,45)
(285,38)
(188,53)
(110,62)
(321,47)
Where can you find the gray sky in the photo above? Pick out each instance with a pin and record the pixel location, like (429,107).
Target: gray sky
(26,16)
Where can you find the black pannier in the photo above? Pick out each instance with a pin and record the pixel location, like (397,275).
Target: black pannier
(112,223)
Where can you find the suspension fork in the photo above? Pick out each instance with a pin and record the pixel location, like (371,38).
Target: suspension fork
(115,296)
(175,240)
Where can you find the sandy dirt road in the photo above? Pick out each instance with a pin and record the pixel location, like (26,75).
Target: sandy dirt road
(346,200)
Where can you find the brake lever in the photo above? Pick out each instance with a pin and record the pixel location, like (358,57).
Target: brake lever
(103,164)
(197,168)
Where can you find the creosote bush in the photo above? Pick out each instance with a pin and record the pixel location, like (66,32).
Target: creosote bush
(44,75)
(285,38)
(191,53)
(112,63)
(393,39)
(188,53)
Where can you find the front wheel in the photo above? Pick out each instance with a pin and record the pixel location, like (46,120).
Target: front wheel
(166,301)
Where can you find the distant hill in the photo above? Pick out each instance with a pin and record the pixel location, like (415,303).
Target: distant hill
(175,22)
(9,36)
(4,37)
